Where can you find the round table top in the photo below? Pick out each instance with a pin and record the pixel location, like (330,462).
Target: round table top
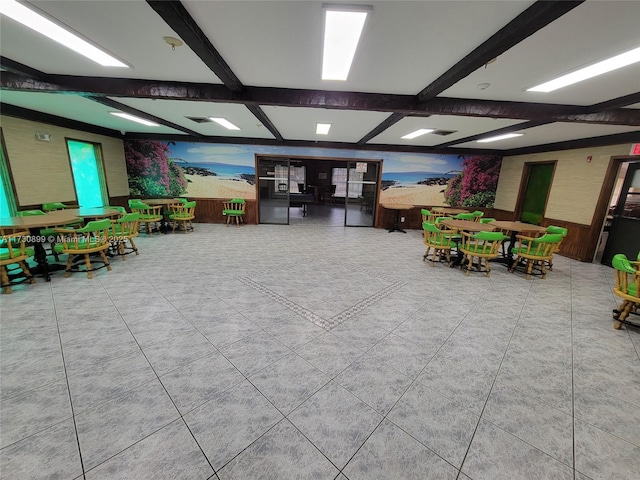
(51,219)
(468,225)
(96,212)
(517,226)
(397,206)
(451,210)
(161,201)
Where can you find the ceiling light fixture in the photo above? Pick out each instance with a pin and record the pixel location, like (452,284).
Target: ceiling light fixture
(500,137)
(342,29)
(173,41)
(224,122)
(36,21)
(613,63)
(133,118)
(322,128)
(417,133)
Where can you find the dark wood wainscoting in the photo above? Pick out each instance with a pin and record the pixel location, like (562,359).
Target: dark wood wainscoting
(208,210)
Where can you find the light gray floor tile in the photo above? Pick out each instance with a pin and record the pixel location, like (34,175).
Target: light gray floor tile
(177,351)
(289,381)
(52,453)
(391,453)
(195,383)
(33,411)
(231,421)
(378,385)
(336,422)
(546,428)
(283,452)
(600,455)
(454,380)
(253,353)
(329,354)
(109,428)
(436,421)
(33,372)
(496,455)
(403,355)
(169,453)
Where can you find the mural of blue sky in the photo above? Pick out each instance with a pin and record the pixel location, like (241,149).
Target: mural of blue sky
(229,160)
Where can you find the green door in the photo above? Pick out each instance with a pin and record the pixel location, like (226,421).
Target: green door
(536,192)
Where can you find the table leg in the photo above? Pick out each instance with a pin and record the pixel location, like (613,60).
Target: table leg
(396,224)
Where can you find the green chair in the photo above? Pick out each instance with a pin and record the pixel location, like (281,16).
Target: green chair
(52,206)
(627,287)
(181,199)
(234,209)
(122,230)
(484,246)
(122,210)
(48,233)
(92,238)
(440,241)
(556,230)
(487,220)
(465,216)
(14,251)
(151,216)
(477,215)
(535,253)
(427,216)
(183,214)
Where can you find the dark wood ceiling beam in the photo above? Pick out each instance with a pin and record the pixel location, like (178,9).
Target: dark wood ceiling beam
(262,117)
(616,139)
(495,133)
(139,113)
(21,69)
(285,97)
(390,120)
(537,16)
(177,17)
(616,103)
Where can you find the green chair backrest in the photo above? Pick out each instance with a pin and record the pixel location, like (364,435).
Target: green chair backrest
(181,200)
(122,210)
(95,226)
(237,200)
(465,216)
(548,238)
(430,227)
(622,263)
(135,201)
(190,204)
(30,213)
(554,229)
(129,217)
(489,236)
(424,211)
(487,220)
(48,207)
(478,213)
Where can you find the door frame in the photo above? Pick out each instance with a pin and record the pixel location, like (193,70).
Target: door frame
(524,180)
(304,158)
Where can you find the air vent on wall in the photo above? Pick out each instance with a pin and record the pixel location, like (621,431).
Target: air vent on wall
(199,119)
(443,133)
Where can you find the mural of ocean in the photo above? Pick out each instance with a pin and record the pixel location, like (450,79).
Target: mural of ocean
(412,178)
(223,170)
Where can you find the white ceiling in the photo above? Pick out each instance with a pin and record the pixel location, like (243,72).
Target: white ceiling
(406,45)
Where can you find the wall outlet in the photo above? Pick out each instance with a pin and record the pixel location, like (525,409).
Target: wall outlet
(402,219)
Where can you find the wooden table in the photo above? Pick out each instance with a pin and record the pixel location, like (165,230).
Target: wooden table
(449,210)
(514,228)
(34,223)
(468,225)
(166,202)
(95,212)
(396,222)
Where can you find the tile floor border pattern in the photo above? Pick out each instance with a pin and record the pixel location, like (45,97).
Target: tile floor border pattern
(316,319)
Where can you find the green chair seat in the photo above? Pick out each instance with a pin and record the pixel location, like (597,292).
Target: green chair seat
(4,252)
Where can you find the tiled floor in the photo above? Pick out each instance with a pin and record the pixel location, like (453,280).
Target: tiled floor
(307,352)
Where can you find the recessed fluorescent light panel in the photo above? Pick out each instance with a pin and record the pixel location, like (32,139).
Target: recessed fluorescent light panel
(224,122)
(500,137)
(613,63)
(417,133)
(323,128)
(20,13)
(135,119)
(342,29)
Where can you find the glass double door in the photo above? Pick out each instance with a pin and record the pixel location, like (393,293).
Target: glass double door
(278,191)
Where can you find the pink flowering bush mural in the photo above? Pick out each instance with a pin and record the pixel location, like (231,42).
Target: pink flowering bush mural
(475,185)
(150,170)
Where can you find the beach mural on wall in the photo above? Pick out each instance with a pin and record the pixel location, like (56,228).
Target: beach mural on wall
(206,170)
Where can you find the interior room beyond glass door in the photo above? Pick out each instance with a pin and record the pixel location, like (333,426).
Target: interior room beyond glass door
(361,197)
(273,190)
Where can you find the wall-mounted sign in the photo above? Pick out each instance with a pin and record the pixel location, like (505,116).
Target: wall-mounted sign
(361,167)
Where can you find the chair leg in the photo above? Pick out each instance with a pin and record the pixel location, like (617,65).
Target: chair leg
(26,272)
(105,260)
(6,286)
(529,268)
(67,272)
(487,267)
(133,246)
(87,262)
(469,266)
